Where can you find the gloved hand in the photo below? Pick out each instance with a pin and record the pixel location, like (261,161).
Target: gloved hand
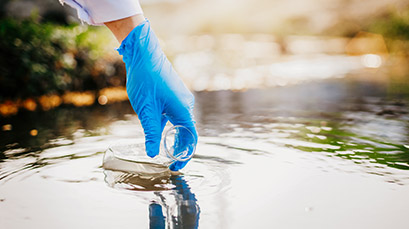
(155,91)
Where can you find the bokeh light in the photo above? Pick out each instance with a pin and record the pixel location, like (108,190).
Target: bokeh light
(371,61)
(33,132)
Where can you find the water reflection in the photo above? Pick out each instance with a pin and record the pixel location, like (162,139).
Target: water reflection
(55,127)
(174,204)
(180,211)
(137,182)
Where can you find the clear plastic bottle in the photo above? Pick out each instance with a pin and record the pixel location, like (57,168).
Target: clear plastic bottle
(130,156)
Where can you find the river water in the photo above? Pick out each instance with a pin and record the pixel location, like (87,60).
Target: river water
(330,153)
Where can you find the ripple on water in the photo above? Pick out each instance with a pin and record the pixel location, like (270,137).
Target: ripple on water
(363,151)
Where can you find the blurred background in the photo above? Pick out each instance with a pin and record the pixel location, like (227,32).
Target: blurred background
(302,109)
(49,58)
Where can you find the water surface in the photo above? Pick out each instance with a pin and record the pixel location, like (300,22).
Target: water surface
(324,154)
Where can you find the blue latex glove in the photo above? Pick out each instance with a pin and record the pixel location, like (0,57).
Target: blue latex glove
(155,91)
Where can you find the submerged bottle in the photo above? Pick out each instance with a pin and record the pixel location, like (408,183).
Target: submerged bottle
(178,144)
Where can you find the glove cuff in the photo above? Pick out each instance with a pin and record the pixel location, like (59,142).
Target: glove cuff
(126,45)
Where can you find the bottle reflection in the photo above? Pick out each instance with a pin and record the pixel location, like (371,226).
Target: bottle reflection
(174,205)
(184,211)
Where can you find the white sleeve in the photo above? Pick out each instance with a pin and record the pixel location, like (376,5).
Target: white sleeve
(96,12)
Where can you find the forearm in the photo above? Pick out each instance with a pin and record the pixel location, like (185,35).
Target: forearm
(122,27)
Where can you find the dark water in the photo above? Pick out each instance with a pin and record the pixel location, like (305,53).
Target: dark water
(324,154)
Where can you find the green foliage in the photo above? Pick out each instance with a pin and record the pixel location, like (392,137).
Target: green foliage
(37,59)
(28,56)
(337,141)
(393,25)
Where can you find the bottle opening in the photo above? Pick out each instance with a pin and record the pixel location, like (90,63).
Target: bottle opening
(179,143)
